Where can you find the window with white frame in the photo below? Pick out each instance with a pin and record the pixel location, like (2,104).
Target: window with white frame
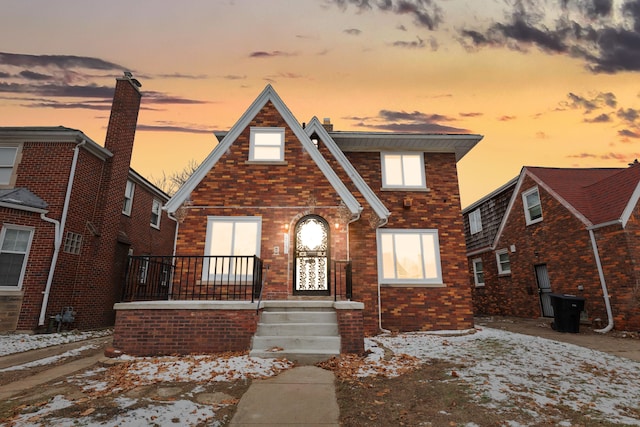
(409,257)
(232,240)
(128,198)
(15,242)
(72,243)
(478,272)
(403,170)
(267,144)
(8,155)
(532,206)
(502,258)
(475,221)
(156,213)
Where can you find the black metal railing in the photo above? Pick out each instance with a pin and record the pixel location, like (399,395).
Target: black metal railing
(152,278)
(342,280)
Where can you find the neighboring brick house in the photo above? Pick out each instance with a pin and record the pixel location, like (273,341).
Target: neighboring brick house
(566,231)
(65,235)
(387,202)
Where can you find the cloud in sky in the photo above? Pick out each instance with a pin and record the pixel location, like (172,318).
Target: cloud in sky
(272,54)
(595,102)
(425,13)
(407,122)
(353,31)
(604,34)
(53,78)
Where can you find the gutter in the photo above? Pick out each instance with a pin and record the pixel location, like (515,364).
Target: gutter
(380,225)
(59,230)
(603,283)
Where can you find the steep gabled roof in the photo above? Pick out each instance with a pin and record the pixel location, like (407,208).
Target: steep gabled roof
(379,208)
(599,195)
(268,95)
(595,196)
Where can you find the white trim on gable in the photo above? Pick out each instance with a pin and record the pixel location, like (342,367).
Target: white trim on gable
(376,204)
(268,94)
(516,194)
(631,205)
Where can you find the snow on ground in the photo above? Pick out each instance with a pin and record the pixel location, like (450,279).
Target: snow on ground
(17,343)
(50,360)
(504,369)
(514,370)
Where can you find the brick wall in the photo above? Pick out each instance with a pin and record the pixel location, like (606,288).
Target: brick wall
(188,330)
(414,308)
(351,328)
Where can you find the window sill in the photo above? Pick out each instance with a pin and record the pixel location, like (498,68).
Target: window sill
(479,285)
(413,285)
(7,291)
(535,221)
(411,189)
(508,273)
(157,227)
(266,162)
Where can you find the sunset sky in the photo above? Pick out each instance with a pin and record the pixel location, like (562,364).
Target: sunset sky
(548,83)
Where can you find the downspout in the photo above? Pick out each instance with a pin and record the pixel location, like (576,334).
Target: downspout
(59,230)
(381,224)
(603,283)
(175,245)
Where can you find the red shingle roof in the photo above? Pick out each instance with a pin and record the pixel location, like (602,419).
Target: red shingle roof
(601,195)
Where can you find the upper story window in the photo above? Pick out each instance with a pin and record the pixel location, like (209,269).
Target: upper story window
(267,144)
(504,264)
(403,170)
(475,221)
(532,206)
(478,272)
(8,156)
(128,198)
(15,242)
(156,213)
(409,257)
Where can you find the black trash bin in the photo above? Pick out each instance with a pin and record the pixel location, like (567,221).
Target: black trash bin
(566,312)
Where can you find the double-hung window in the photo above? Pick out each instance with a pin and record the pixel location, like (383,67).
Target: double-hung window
(267,144)
(532,206)
(409,257)
(475,221)
(156,211)
(128,198)
(231,243)
(403,170)
(8,155)
(478,272)
(15,242)
(504,264)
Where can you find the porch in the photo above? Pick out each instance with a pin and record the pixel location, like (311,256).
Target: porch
(169,306)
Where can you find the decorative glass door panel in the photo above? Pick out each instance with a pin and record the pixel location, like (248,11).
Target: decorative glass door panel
(312,255)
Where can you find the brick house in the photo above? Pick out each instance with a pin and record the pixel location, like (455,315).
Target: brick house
(565,231)
(309,202)
(70,213)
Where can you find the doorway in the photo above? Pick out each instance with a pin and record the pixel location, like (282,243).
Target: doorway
(312,256)
(544,289)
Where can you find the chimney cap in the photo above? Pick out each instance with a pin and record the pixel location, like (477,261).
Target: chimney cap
(129,76)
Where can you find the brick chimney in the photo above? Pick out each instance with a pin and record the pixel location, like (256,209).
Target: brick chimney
(327,125)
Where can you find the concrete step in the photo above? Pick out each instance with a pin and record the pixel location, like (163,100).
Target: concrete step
(298,317)
(301,357)
(296,342)
(297,329)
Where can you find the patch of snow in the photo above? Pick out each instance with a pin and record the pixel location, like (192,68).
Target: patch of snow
(32,419)
(49,360)
(530,372)
(18,343)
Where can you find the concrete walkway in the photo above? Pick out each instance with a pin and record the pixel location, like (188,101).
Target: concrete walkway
(55,372)
(302,396)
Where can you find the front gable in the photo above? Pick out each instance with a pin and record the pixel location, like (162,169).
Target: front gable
(302,166)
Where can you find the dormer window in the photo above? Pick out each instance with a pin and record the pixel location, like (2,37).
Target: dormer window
(475,221)
(8,156)
(267,144)
(403,171)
